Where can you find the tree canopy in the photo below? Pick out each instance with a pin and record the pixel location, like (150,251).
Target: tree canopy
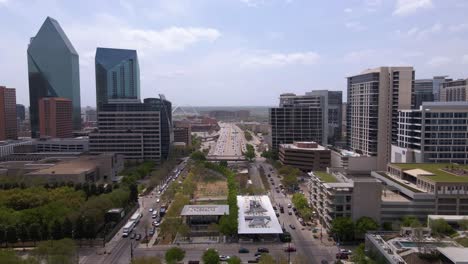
(343,228)
(174,255)
(365,224)
(210,256)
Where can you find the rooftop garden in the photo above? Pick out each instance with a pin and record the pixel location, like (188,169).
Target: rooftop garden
(440,171)
(326,177)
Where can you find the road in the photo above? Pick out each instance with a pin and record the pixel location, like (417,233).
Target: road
(231,141)
(120,247)
(302,238)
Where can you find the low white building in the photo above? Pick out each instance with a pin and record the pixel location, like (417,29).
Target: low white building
(256,216)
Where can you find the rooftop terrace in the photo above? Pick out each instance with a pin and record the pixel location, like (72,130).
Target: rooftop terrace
(443,172)
(325,177)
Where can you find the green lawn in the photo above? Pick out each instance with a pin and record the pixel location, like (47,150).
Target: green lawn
(463,241)
(326,177)
(436,169)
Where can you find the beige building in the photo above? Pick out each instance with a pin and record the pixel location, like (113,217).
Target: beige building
(306,156)
(374,98)
(452,91)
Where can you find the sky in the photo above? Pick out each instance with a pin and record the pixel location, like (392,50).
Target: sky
(243,52)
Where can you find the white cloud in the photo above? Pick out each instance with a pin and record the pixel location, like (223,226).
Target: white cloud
(407,7)
(465,59)
(360,55)
(458,28)
(282,59)
(252,3)
(4,2)
(419,33)
(355,25)
(439,61)
(348,10)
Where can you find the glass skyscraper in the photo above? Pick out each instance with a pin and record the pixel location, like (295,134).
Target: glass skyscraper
(117,75)
(53,67)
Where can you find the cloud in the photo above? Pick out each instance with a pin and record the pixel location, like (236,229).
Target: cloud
(465,59)
(282,59)
(458,28)
(419,33)
(439,61)
(360,55)
(348,10)
(252,3)
(407,7)
(355,25)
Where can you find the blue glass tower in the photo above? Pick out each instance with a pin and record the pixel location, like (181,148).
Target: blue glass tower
(117,75)
(53,67)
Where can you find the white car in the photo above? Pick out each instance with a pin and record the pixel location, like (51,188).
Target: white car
(151,210)
(224,258)
(157,200)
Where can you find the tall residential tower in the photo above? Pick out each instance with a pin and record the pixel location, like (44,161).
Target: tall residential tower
(53,67)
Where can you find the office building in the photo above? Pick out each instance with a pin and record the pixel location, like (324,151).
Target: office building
(435,133)
(344,114)
(423,92)
(454,91)
(20,112)
(332,105)
(7,147)
(76,145)
(167,135)
(332,195)
(117,75)
(55,117)
(183,134)
(8,123)
(90,115)
(298,118)
(53,67)
(306,156)
(130,128)
(374,98)
(422,189)
(352,163)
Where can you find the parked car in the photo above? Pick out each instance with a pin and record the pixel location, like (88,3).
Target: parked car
(224,258)
(151,232)
(289,205)
(151,210)
(138,237)
(292,226)
(263,250)
(346,251)
(324,261)
(132,236)
(289,212)
(244,250)
(290,249)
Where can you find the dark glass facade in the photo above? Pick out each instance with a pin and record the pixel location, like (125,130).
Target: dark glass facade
(167,135)
(53,68)
(117,75)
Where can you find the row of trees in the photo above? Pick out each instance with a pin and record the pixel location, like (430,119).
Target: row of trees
(290,175)
(249,154)
(247,135)
(346,230)
(302,205)
(52,252)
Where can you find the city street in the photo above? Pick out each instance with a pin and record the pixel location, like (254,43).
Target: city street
(231,141)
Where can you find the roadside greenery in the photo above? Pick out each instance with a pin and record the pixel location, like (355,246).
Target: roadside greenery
(174,254)
(147,260)
(359,256)
(234,260)
(302,206)
(441,228)
(247,135)
(346,230)
(249,154)
(210,256)
(365,224)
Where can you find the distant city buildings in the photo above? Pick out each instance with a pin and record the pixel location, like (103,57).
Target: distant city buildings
(53,71)
(435,133)
(20,112)
(55,117)
(117,75)
(374,98)
(454,91)
(225,115)
(306,156)
(8,123)
(183,133)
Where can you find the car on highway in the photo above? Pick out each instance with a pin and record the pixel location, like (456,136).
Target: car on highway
(290,212)
(290,249)
(292,226)
(289,205)
(224,258)
(263,250)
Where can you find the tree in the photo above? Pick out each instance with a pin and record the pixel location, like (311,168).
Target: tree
(198,156)
(409,221)
(67,228)
(266,259)
(79,228)
(210,256)
(365,224)
(343,228)
(227,225)
(133,193)
(290,180)
(234,260)
(11,235)
(300,201)
(35,232)
(61,251)
(174,255)
(90,228)
(184,230)
(56,230)
(147,260)
(440,227)
(359,256)
(2,234)
(463,224)
(250,153)
(223,163)
(22,232)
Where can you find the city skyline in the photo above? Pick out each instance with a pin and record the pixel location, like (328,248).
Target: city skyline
(198,57)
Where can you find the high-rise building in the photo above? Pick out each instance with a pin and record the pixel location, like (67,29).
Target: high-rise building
(8,124)
(20,112)
(55,117)
(435,133)
(453,91)
(130,128)
(167,135)
(298,118)
(117,75)
(53,66)
(333,103)
(423,92)
(374,98)
(437,85)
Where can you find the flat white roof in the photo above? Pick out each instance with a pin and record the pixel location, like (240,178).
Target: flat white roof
(448,217)
(256,216)
(418,172)
(205,209)
(455,254)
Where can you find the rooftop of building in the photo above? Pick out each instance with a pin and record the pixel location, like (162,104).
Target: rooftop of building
(206,209)
(436,172)
(256,216)
(325,177)
(390,196)
(10,142)
(303,145)
(456,254)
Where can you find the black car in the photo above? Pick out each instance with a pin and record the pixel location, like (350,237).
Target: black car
(292,226)
(324,261)
(263,250)
(138,237)
(132,236)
